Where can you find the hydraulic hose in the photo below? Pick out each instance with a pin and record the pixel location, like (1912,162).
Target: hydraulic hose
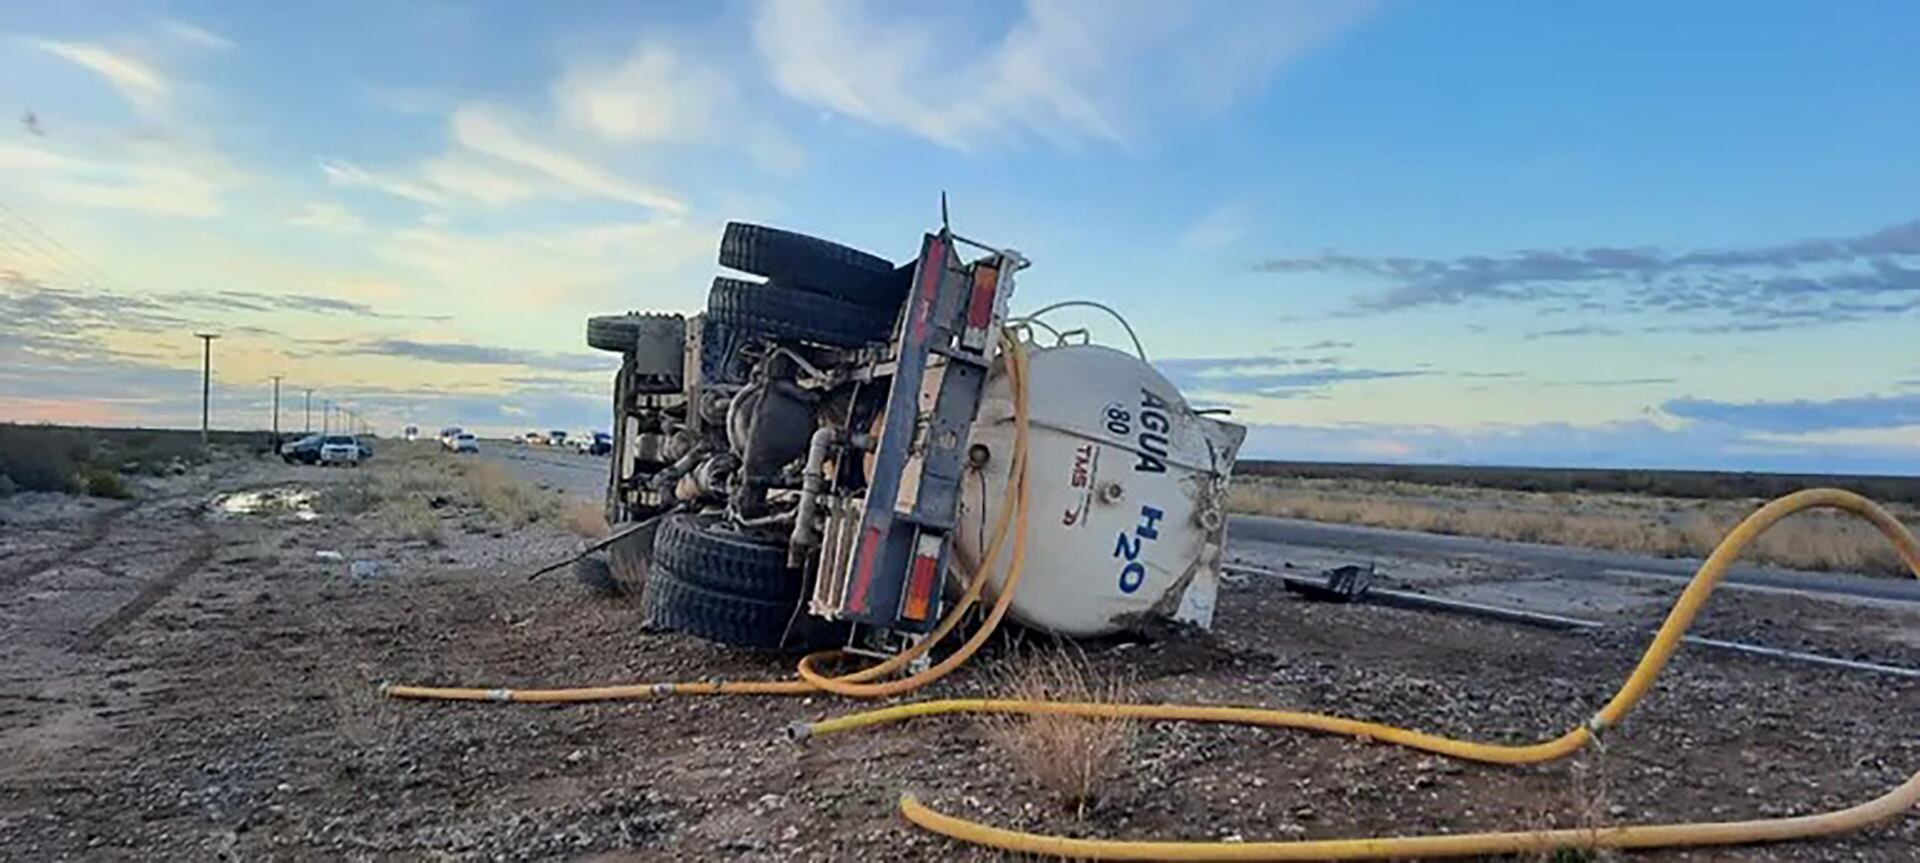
(1665,642)
(1012,514)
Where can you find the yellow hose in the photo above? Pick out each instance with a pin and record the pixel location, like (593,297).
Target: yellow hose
(810,680)
(1658,654)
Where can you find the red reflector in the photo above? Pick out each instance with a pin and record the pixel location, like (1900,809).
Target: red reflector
(932,267)
(980,307)
(863,571)
(920,585)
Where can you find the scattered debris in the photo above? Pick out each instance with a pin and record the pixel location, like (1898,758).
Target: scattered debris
(1344,584)
(282,500)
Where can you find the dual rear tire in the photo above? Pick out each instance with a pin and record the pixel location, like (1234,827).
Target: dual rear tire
(708,580)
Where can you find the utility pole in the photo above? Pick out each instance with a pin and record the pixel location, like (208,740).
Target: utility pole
(326,417)
(276,409)
(206,380)
(309,422)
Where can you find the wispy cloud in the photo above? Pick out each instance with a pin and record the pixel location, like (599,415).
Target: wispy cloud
(332,218)
(485,130)
(1616,382)
(460,353)
(1216,228)
(349,175)
(253,301)
(1574,332)
(660,93)
(1806,282)
(197,36)
(1802,415)
(1066,72)
(495,164)
(140,83)
(150,189)
(1625,444)
(1271,376)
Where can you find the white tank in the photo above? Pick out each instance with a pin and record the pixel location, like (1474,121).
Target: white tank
(1127,515)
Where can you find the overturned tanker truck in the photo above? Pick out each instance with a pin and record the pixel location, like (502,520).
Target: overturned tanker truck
(818,458)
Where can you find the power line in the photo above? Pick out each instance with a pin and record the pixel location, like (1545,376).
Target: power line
(68,251)
(61,269)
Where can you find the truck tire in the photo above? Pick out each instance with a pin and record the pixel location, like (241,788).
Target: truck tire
(622,333)
(711,557)
(782,312)
(812,264)
(672,603)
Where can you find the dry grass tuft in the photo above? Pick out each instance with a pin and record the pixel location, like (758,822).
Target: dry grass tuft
(510,500)
(1588,798)
(1669,527)
(586,519)
(1069,756)
(408,482)
(410,517)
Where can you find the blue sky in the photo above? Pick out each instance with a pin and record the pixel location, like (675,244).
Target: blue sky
(1676,235)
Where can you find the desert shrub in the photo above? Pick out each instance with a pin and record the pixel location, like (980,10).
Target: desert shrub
(42,458)
(353,497)
(409,517)
(1070,757)
(586,519)
(505,497)
(103,482)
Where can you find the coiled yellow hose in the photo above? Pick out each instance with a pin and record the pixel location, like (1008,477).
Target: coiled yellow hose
(1658,654)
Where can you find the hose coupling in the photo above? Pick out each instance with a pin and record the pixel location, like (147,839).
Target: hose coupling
(663,689)
(798,732)
(499,695)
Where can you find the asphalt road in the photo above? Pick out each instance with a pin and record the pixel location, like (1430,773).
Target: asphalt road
(579,475)
(1547,561)
(1553,578)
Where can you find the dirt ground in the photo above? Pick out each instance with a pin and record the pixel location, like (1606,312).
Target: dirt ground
(180,682)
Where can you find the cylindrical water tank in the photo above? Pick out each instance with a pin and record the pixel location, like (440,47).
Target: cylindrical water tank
(1127,514)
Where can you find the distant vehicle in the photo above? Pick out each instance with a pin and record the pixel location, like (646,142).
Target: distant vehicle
(341,449)
(450,436)
(464,442)
(597,443)
(410,433)
(534,438)
(556,437)
(305,450)
(446,434)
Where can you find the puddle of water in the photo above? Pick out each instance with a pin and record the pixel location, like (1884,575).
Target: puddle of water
(289,501)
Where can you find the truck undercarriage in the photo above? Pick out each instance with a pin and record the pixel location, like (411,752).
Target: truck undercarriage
(791,411)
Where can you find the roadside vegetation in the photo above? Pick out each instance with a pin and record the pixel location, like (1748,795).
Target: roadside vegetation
(1666,526)
(410,484)
(1700,484)
(1069,757)
(98,461)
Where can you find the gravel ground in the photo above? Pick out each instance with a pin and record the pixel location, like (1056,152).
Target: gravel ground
(179,684)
